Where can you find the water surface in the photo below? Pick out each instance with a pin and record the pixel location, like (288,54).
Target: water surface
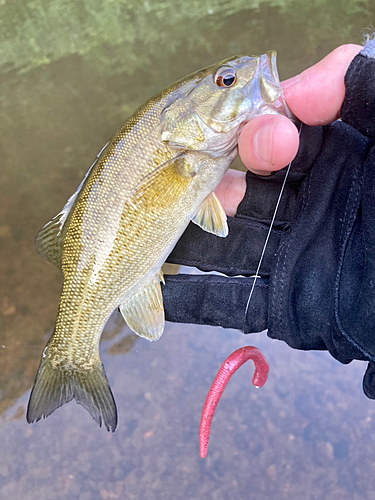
(71,72)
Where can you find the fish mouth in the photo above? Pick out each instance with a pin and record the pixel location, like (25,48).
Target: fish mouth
(264,90)
(269,81)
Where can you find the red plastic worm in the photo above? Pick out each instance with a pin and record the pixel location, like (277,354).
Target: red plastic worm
(227,370)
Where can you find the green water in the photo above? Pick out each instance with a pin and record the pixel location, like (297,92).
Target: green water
(71,72)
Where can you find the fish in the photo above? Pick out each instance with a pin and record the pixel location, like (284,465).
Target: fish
(158,173)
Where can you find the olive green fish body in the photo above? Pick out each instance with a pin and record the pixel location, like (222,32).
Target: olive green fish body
(111,239)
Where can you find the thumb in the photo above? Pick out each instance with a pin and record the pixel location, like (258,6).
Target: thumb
(268,143)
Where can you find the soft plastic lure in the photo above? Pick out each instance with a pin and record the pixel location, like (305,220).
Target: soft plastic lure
(229,368)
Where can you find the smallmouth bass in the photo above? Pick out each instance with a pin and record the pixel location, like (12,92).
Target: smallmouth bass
(158,173)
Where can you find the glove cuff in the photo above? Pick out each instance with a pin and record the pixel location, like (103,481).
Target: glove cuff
(199,299)
(359,104)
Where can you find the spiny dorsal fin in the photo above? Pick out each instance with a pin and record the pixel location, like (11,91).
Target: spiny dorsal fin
(144,312)
(211,216)
(50,239)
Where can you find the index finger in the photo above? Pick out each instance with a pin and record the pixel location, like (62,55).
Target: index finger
(316,95)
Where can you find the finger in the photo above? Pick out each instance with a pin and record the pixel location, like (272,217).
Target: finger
(231,190)
(268,143)
(316,95)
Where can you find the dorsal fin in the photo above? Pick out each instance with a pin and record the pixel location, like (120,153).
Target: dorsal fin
(50,239)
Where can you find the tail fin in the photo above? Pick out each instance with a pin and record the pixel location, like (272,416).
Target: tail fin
(54,387)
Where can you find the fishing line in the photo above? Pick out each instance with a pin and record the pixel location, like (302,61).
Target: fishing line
(267,238)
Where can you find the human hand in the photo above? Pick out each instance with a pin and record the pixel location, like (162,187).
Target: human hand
(270,142)
(314,289)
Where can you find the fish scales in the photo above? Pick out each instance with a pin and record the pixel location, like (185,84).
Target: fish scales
(157,174)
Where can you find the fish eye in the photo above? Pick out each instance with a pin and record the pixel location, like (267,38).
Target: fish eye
(225,77)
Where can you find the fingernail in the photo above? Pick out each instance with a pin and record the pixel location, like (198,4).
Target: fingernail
(263,141)
(290,82)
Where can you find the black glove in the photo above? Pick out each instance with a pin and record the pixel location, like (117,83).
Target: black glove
(221,301)
(317,285)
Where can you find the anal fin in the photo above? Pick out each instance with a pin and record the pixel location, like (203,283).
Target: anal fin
(211,216)
(144,312)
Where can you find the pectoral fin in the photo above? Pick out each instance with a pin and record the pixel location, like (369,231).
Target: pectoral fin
(165,184)
(144,312)
(211,216)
